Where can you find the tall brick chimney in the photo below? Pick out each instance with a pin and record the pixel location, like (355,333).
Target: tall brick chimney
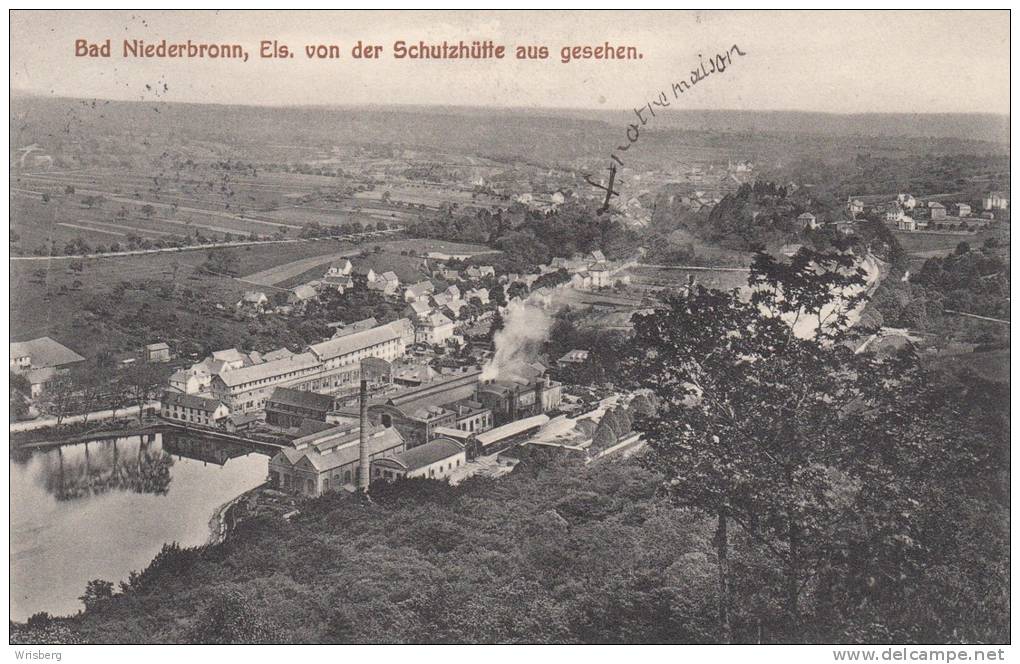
(363,464)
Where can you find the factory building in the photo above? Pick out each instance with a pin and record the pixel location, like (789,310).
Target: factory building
(330,461)
(288,407)
(436,459)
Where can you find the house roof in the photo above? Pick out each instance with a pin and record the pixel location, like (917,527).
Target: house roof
(157,346)
(285,396)
(402,326)
(424,455)
(421,288)
(303,292)
(806,215)
(512,429)
(230,355)
(576,355)
(45,352)
(278,354)
(268,369)
(352,343)
(435,394)
(437,319)
(341,455)
(356,326)
(206,404)
(420,307)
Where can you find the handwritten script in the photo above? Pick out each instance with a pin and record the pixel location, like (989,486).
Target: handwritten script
(717,64)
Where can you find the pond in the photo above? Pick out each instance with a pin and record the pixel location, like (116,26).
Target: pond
(102,509)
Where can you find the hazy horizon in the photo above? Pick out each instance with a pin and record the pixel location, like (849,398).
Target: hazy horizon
(17,92)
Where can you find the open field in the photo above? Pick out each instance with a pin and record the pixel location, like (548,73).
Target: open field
(281,273)
(925,244)
(103,206)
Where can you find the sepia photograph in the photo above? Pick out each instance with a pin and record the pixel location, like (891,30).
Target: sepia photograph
(510,327)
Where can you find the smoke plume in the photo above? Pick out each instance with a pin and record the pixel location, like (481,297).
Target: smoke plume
(526,326)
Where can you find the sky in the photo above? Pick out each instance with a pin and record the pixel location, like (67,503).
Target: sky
(839,62)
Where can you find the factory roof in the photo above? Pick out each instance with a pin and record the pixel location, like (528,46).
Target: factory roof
(352,343)
(268,369)
(418,400)
(512,429)
(425,455)
(285,396)
(342,455)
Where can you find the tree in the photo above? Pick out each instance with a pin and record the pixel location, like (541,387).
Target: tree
(749,428)
(60,396)
(148,210)
(97,592)
(141,384)
(233,617)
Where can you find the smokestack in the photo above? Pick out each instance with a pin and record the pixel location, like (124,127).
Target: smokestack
(540,386)
(512,405)
(363,465)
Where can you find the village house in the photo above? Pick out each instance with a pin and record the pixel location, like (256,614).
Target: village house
(574,357)
(339,269)
(440,300)
(193,409)
(387,282)
(339,283)
(434,329)
(906,201)
(253,301)
(288,407)
(158,352)
(962,210)
(452,309)
(41,360)
(449,274)
(480,271)
(581,281)
(937,210)
(365,272)
(436,459)
(807,220)
(854,206)
(995,200)
(404,330)
(601,277)
(481,293)
(419,292)
(418,310)
(906,224)
(301,294)
(343,330)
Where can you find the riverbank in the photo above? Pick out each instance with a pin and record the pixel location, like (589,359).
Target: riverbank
(45,438)
(82,418)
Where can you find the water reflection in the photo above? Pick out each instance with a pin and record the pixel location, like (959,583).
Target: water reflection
(102,510)
(137,464)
